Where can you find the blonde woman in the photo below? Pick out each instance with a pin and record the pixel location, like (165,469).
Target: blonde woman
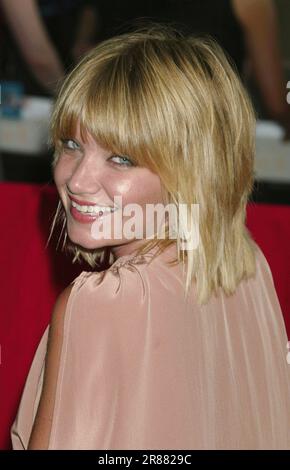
(177,345)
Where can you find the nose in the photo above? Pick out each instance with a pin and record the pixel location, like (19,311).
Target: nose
(85,177)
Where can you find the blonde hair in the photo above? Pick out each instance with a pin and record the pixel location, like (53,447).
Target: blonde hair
(176,105)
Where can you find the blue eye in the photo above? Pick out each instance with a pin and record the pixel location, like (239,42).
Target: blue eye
(123,161)
(70,144)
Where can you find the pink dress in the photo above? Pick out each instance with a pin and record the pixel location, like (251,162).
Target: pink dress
(142,368)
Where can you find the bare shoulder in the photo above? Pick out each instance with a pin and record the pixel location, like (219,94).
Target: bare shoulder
(40,434)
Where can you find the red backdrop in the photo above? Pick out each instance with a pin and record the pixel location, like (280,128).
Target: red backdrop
(32,276)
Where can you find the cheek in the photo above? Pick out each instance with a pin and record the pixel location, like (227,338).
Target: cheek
(62,172)
(147,190)
(121,186)
(152,186)
(141,188)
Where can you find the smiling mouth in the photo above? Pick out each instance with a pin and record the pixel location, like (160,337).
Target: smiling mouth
(92,210)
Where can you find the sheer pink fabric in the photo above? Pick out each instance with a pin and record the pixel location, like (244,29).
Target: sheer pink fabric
(142,368)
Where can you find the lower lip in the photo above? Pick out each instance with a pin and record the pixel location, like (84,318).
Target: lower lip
(84,218)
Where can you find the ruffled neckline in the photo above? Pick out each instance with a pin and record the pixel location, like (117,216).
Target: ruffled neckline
(129,261)
(132,259)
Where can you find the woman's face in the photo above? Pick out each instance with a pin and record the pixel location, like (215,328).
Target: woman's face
(87,173)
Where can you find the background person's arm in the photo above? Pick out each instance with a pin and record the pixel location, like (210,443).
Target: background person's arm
(32,39)
(259,21)
(86,33)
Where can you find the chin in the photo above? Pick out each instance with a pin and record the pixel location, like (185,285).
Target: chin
(88,243)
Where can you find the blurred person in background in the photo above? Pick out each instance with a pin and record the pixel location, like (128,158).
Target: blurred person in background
(248,30)
(87,31)
(37,41)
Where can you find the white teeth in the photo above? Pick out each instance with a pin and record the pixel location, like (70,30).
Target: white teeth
(92,209)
